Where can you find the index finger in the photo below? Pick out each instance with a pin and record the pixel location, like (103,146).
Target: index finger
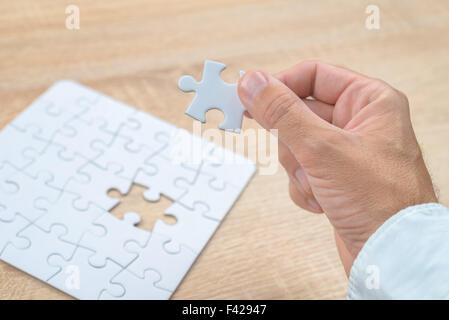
(322,81)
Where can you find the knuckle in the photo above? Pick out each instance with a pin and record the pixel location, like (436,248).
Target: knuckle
(397,100)
(380,88)
(391,97)
(403,100)
(402,96)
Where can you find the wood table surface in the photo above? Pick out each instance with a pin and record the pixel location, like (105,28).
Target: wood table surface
(135,51)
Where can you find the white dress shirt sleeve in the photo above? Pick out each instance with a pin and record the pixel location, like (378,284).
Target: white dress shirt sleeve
(406,258)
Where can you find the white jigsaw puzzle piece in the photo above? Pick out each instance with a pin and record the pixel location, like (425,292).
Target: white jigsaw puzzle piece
(24,192)
(152,255)
(79,279)
(227,166)
(186,149)
(212,92)
(53,110)
(62,212)
(60,169)
(138,288)
(33,259)
(192,228)
(163,179)
(84,141)
(145,131)
(110,246)
(10,226)
(64,96)
(6,172)
(129,162)
(114,114)
(219,201)
(99,183)
(15,142)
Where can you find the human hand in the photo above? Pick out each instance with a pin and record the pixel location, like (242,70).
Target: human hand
(347,144)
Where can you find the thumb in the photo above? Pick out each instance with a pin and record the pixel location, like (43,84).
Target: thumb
(274,106)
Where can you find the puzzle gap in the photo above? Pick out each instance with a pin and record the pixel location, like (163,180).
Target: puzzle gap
(135,202)
(213,118)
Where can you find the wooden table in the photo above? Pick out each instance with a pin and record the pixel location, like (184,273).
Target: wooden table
(135,51)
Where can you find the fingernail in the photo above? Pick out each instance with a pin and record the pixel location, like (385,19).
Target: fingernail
(252,84)
(312,203)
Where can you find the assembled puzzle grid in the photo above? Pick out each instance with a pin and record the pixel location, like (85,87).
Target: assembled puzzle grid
(58,160)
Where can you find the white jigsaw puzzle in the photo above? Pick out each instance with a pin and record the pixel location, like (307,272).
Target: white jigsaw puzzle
(63,154)
(212,92)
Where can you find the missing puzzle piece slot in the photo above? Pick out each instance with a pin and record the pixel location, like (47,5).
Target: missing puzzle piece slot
(149,211)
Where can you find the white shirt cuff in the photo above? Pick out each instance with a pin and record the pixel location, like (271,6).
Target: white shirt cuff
(406,258)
